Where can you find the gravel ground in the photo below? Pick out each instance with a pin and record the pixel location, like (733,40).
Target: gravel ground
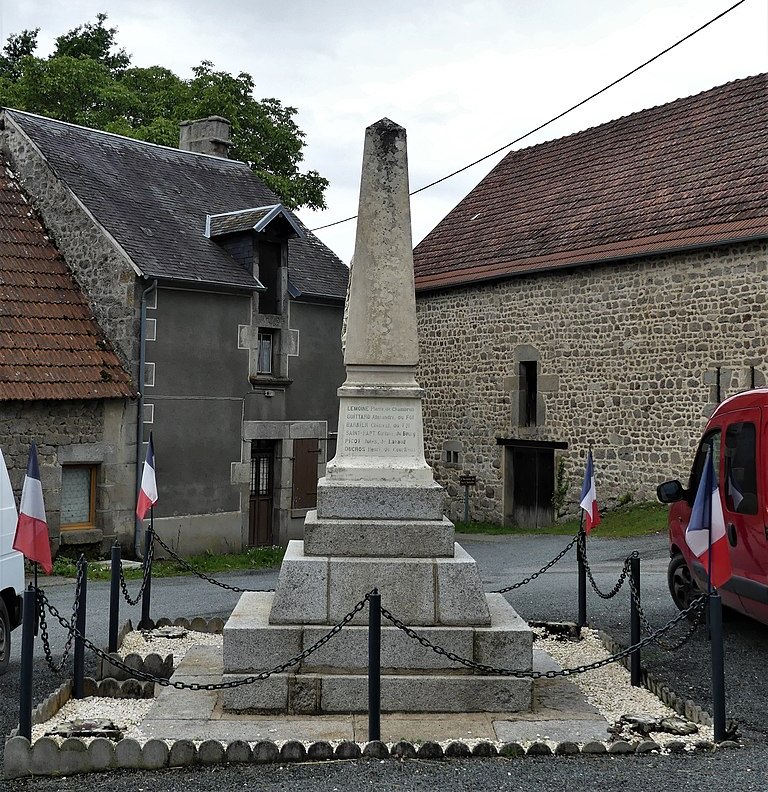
(502,560)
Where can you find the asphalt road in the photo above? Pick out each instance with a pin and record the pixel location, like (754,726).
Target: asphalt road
(502,560)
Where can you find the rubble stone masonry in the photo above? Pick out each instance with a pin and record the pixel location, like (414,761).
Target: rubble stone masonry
(629,357)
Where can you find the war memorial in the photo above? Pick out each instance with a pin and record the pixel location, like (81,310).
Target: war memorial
(379,521)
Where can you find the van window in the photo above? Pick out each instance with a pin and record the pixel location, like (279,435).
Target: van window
(698,463)
(740,468)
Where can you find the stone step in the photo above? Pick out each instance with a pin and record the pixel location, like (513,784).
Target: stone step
(314,694)
(420,591)
(378,538)
(252,644)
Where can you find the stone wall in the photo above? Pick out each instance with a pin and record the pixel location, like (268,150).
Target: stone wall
(98,264)
(76,432)
(629,358)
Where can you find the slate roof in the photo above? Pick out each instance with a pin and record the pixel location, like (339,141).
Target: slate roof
(154,201)
(691,173)
(50,345)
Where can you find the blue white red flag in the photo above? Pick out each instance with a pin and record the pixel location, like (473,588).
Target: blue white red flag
(589,496)
(148,491)
(32,526)
(705,534)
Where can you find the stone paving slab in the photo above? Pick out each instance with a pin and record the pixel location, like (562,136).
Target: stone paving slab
(573,730)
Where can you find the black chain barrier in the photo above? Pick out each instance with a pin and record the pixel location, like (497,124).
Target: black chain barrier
(212,686)
(546,567)
(184,563)
(582,549)
(698,618)
(58,668)
(145,577)
(530,674)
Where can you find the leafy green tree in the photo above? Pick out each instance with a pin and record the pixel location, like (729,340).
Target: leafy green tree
(87,80)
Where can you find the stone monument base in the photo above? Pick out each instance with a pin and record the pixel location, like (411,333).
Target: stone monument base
(414,678)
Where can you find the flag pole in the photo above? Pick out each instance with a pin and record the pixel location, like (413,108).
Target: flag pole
(582,572)
(146,622)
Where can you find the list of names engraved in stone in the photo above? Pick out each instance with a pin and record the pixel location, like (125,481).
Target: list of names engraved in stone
(380,428)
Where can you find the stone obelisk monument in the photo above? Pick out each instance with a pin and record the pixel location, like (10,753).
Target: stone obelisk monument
(379,520)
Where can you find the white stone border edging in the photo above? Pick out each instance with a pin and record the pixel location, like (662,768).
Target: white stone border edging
(153,664)
(75,755)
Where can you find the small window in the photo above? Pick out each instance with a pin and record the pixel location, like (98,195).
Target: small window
(452,453)
(264,363)
(528,392)
(740,469)
(78,496)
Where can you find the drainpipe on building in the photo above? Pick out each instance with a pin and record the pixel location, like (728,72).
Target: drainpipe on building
(137,532)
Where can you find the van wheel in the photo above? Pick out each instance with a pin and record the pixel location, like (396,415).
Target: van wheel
(681,585)
(5,638)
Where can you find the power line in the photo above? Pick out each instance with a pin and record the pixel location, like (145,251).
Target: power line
(559,115)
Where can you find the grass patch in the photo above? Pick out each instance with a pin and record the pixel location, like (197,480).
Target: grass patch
(635,519)
(207,563)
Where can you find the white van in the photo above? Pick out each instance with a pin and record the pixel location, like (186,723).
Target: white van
(11,568)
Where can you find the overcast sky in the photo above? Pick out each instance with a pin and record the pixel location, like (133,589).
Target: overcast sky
(464,78)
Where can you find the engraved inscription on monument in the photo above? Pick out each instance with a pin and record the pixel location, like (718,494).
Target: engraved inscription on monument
(380,427)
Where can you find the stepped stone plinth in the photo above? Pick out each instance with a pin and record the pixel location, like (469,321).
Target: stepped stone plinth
(379,520)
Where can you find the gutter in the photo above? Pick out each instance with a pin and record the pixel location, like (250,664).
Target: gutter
(137,532)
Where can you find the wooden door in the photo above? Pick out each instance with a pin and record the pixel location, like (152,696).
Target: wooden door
(262,493)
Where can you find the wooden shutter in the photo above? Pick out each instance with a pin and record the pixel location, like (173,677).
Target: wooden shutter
(305,456)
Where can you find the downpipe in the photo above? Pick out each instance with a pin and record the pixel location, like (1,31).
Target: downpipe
(137,531)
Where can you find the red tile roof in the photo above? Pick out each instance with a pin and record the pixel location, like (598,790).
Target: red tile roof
(50,345)
(687,174)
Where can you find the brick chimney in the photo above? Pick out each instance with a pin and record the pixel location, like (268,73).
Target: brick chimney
(205,136)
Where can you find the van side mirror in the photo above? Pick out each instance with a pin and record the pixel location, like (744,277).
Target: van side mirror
(670,492)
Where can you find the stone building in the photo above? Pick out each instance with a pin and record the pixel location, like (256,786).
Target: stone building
(219,303)
(61,384)
(607,288)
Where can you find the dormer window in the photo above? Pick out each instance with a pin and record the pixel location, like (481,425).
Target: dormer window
(268,264)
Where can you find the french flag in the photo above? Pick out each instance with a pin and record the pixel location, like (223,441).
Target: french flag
(589,496)
(32,526)
(705,534)
(148,492)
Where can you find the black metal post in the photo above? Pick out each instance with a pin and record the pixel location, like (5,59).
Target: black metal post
(29,619)
(718,665)
(374,666)
(580,548)
(114,598)
(466,503)
(634,622)
(146,622)
(82,602)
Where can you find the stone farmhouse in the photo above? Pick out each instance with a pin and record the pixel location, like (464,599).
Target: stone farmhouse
(607,288)
(224,310)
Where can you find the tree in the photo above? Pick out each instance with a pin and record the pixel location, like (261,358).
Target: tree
(87,80)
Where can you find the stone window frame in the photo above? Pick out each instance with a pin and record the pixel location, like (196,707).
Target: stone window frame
(452,455)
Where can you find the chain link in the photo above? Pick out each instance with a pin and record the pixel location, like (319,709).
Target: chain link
(582,550)
(40,597)
(530,674)
(201,575)
(547,566)
(145,577)
(110,658)
(648,629)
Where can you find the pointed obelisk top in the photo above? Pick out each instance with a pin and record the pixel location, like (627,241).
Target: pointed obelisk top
(381,326)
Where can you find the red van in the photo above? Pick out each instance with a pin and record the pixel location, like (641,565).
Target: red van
(738,431)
